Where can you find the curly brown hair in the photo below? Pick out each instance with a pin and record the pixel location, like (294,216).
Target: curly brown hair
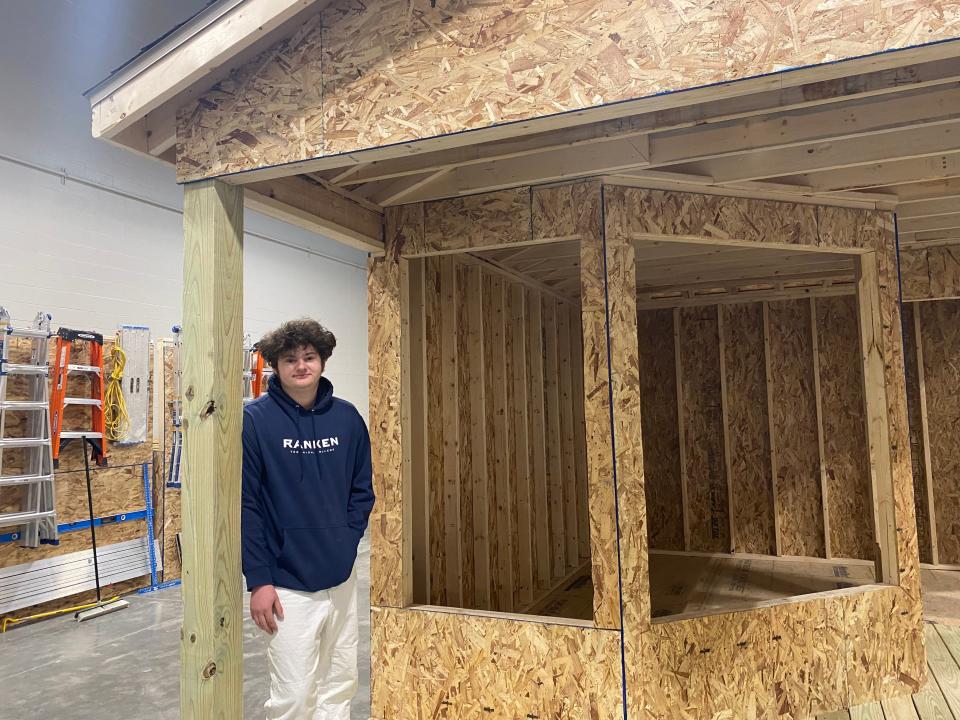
(295,334)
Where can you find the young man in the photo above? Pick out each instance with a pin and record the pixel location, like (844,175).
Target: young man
(307,494)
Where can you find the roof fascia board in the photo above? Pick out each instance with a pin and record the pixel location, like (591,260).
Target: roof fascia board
(184,58)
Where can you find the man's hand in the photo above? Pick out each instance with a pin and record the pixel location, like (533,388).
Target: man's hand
(264,604)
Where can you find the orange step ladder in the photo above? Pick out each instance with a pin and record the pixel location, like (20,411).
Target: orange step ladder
(59,400)
(257,372)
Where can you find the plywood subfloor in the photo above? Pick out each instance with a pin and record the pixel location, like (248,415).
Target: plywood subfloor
(941,596)
(683,583)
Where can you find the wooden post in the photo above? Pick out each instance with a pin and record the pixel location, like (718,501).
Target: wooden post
(878,431)
(925,437)
(773,445)
(450,423)
(478,440)
(211,649)
(824,485)
(413,379)
(684,494)
(725,411)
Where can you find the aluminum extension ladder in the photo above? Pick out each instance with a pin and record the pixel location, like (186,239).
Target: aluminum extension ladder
(37,516)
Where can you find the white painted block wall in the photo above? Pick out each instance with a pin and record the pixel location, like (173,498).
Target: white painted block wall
(93,234)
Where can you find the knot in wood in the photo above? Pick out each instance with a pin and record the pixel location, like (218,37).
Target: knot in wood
(189,394)
(209,670)
(209,410)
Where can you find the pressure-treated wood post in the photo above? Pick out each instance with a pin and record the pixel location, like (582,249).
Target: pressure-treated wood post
(211,652)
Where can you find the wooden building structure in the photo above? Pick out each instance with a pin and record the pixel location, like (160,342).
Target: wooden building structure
(716,192)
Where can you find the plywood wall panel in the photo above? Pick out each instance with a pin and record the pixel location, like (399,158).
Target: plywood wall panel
(944,267)
(661,441)
(427,71)
(825,653)
(930,273)
(846,456)
(604,541)
(941,354)
(477,221)
(795,430)
(456,666)
(627,434)
(703,430)
(386,521)
(668,213)
(880,234)
(749,462)
(918,447)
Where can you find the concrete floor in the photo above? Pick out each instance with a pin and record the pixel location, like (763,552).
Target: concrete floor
(127,664)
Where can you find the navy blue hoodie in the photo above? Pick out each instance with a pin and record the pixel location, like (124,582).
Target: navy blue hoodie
(307,490)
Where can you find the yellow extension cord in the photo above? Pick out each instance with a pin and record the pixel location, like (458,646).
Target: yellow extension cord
(115,415)
(62,611)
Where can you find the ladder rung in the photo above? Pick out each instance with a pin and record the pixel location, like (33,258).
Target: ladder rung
(24,479)
(84,369)
(23,442)
(23,405)
(81,401)
(24,369)
(19,518)
(28,333)
(77,434)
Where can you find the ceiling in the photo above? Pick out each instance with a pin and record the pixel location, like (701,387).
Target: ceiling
(888,140)
(698,272)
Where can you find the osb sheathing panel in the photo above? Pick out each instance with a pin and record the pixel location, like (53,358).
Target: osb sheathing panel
(661,437)
(845,454)
(917,448)
(703,430)
(439,665)
(627,432)
(930,273)
(940,322)
(425,72)
(575,209)
(794,414)
(386,521)
(880,638)
(169,515)
(875,230)
(749,462)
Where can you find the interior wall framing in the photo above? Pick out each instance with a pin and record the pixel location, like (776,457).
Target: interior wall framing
(931,332)
(817,441)
(499,463)
(874,631)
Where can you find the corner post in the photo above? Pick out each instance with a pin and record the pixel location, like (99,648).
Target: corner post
(211,651)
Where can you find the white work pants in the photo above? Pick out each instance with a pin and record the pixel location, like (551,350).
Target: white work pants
(313,654)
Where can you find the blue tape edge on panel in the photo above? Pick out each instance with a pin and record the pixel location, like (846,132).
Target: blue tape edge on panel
(85,524)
